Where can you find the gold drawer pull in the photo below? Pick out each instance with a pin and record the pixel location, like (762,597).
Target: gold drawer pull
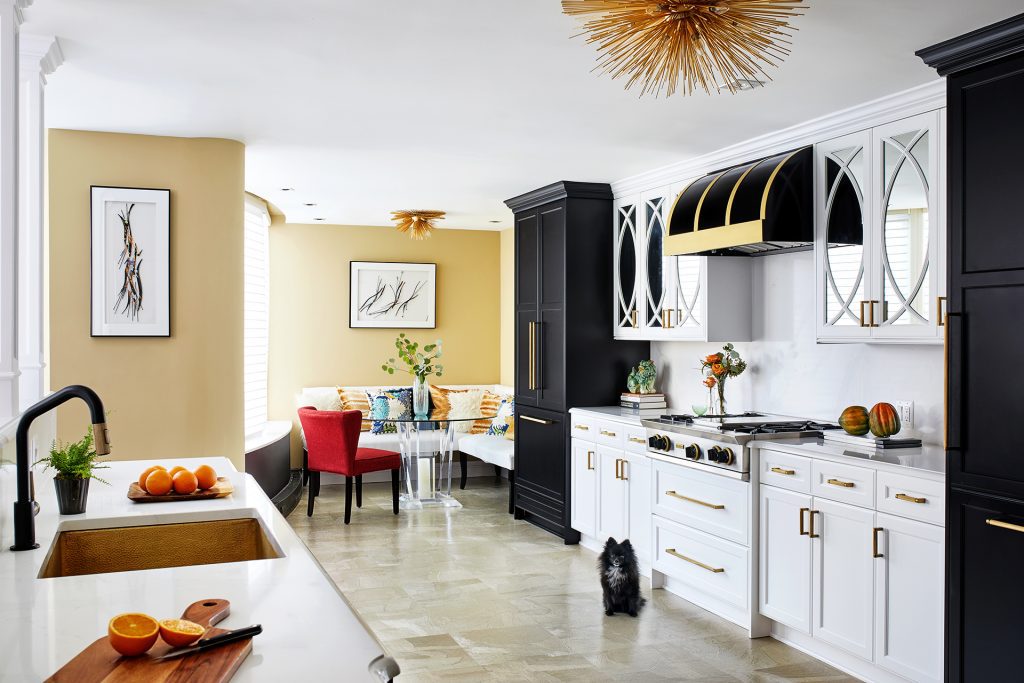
(635,439)
(779,470)
(910,499)
(582,428)
(605,432)
(713,506)
(537,420)
(1005,525)
(839,482)
(673,553)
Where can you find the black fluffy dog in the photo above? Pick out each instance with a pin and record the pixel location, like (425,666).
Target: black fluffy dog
(620,578)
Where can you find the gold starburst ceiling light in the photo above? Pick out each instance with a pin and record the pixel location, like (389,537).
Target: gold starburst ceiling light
(685,45)
(417,223)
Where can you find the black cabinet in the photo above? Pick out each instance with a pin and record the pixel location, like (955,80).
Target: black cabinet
(984,351)
(564,351)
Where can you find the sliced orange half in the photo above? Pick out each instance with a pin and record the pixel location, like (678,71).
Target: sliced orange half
(180,632)
(132,634)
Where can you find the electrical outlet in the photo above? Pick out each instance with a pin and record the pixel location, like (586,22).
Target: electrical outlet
(906,411)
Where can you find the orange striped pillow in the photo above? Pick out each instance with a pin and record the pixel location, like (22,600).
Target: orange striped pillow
(355,399)
(489,407)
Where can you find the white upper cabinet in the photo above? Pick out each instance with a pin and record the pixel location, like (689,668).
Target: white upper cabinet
(879,234)
(666,297)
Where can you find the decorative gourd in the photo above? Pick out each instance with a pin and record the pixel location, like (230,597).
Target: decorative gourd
(854,420)
(883,420)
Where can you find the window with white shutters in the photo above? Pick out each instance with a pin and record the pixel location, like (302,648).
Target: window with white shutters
(256,336)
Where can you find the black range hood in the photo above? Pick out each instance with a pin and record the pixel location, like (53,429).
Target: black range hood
(752,209)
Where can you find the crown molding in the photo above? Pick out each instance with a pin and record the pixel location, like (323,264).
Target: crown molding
(989,43)
(39,54)
(561,190)
(916,100)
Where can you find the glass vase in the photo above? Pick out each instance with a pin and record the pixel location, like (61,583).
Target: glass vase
(420,396)
(721,397)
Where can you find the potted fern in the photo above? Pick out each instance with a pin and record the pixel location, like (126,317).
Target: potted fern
(75,464)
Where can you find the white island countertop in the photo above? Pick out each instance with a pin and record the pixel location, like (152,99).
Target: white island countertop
(309,630)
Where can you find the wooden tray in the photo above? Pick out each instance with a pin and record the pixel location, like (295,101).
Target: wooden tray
(100,663)
(221,489)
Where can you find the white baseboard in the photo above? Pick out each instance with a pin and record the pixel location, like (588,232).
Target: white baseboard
(833,656)
(474,468)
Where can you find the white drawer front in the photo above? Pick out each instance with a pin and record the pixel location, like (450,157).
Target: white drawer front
(919,499)
(714,504)
(785,470)
(610,433)
(635,439)
(583,428)
(843,483)
(710,564)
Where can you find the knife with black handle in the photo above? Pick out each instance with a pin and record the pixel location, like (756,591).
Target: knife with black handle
(215,641)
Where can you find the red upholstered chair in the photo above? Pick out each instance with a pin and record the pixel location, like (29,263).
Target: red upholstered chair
(332,440)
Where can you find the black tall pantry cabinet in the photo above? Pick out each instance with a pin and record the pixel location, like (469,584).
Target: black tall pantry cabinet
(985,352)
(564,352)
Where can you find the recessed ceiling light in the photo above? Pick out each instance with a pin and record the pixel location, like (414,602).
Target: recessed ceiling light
(741,84)
(319,219)
(310,204)
(495,221)
(287,189)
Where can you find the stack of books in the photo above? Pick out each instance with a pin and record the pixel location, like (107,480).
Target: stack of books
(643,404)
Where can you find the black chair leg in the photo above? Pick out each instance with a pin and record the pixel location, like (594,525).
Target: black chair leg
(462,464)
(348,499)
(305,467)
(359,490)
(511,492)
(394,491)
(311,495)
(315,479)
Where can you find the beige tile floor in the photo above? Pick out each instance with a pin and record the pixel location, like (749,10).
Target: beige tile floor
(474,595)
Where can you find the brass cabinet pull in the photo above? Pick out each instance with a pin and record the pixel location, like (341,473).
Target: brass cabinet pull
(537,420)
(605,432)
(803,532)
(938,311)
(622,470)
(810,516)
(713,506)
(870,303)
(910,499)
(532,360)
(779,470)
(632,317)
(874,542)
(862,304)
(636,439)
(673,553)
(617,462)
(582,428)
(666,319)
(839,482)
(590,460)
(1005,525)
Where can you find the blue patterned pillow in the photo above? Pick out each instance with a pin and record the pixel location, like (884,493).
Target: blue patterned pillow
(499,425)
(388,403)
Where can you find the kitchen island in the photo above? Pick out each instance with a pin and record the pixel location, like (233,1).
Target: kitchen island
(310,632)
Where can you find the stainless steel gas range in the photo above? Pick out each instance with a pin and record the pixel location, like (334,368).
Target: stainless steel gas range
(718,444)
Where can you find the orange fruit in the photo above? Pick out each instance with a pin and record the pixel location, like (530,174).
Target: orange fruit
(184,482)
(145,474)
(158,483)
(175,470)
(206,476)
(132,634)
(180,632)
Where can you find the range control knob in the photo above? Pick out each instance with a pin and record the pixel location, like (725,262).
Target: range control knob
(720,455)
(660,442)
(692,452)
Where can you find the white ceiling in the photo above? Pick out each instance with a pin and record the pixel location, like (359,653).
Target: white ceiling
(365,107)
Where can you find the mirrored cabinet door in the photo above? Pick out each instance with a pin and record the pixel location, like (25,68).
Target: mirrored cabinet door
(627,320)
(906,280)
(656,306)
(688,296)
(843,236)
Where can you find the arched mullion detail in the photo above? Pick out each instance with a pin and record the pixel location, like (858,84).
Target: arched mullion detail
(685,305)
(627,218)
(655,306)
(845,302)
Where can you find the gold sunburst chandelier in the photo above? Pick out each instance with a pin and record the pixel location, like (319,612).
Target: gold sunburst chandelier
(417,223)
(686,44)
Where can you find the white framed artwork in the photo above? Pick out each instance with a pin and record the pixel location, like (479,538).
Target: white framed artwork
(131,262)
(392,295)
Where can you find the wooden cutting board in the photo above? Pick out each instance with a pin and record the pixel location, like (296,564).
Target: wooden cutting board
(221,489)
(100,663)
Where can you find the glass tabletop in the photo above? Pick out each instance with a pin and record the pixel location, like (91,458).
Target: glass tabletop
(435,416)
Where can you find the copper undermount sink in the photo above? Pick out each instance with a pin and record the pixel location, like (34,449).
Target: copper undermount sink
(130,548)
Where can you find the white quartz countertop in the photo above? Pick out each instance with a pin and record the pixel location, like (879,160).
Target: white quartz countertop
(309,630)
(926,458)
(618,414)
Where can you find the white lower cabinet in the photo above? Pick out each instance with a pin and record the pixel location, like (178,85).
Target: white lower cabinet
(908,598)
(584,487)
(613,495)
(866,582)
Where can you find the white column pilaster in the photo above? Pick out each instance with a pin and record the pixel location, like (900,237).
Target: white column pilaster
(10,20)
(39,57)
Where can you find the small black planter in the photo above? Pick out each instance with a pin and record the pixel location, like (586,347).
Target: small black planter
(72,495)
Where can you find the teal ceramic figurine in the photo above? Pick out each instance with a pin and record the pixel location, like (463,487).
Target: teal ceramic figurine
(641,378)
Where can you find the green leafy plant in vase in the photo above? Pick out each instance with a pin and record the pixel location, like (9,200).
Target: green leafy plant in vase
(421,363)
(75,465)
(717,368)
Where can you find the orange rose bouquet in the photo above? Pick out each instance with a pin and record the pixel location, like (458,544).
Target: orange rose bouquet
(716,368)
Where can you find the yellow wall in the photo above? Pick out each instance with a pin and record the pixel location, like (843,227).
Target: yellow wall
(508,307)
(311,343)
(168,397)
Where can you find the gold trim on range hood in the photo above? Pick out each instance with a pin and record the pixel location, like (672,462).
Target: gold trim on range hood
(730,235)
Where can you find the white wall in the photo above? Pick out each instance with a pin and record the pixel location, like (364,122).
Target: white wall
(789,373)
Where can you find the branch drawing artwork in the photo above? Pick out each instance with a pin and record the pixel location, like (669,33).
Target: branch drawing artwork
(391,299)
(129,298)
